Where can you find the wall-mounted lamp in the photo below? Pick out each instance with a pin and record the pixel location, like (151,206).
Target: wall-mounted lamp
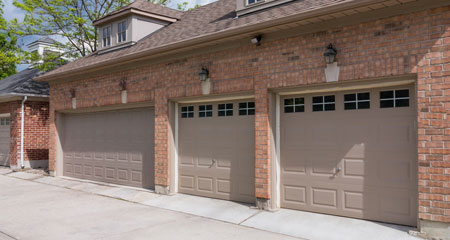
(203,74)
(330,54)
(72,93)
(256,40)
(122,85)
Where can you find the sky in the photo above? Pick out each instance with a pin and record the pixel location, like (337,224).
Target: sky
(12,12)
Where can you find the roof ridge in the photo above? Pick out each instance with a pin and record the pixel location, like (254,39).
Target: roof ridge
(145,6)
(159,5)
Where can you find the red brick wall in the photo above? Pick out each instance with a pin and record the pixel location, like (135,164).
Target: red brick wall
(36,134)
(5,107)
(36,131)
(417,43)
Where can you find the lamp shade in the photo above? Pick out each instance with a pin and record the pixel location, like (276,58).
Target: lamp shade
(203,74)
(330,54)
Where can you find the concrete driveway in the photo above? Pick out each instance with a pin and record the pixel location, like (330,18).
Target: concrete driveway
(36,207)
(31,210)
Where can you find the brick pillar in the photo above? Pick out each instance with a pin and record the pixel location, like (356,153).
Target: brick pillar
(433,104)
(161,142)
(14,145)
(262,147)
(52,141)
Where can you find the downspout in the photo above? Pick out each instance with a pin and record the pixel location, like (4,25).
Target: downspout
(22,126)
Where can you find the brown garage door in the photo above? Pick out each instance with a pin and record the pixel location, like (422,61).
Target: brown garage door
(4,141)
(351,154)
(216,150)
(113,146)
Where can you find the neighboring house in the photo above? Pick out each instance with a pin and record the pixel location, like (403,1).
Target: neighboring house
(45,45)
(235,100)
(24,144)
(19,94)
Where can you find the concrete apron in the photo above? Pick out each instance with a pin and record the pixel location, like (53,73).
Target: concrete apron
(288,222)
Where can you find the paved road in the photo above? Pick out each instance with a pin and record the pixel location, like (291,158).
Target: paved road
(31,210)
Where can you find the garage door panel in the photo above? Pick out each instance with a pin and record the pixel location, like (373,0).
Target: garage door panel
(292,138)
(205,160)
(99,172)
(354,168)
(353,201)
(87,171)
(108,148)
(355,151)
(223,186)
(294,194)
(187,182)
(245,187)
(322,162)
(357,163)
(323,135)
(187,160)
(293,163)
(216,155)
(205,184)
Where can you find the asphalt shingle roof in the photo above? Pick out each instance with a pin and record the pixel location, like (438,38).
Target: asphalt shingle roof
(44,39)
(212,18)
(22,83)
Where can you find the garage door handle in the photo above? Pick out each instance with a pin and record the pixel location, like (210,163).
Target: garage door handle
(213,162)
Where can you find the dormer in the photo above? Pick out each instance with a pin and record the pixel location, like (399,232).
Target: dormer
(249,6)
(131,23)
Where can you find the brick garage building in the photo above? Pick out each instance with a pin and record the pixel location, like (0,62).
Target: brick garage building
(271,123)
(16,91)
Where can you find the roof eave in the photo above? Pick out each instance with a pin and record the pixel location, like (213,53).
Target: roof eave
(212,36)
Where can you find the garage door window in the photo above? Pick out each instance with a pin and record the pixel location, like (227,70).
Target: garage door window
(323,103)
(357,101)
(293,105)
(187,112)
(394,98)
(205,111)
(225,110)
(246,108)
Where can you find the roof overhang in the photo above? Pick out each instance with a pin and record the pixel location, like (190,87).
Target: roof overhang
(19,97)
(132,11)
(304,18)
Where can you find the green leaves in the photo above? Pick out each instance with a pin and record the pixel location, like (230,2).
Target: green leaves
(71,19)
(10,54)
(183,6)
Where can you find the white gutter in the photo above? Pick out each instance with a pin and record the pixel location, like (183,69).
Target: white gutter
(22,126)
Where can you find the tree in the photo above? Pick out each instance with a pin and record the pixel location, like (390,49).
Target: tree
(71,19)
(10,53)
(183,6)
